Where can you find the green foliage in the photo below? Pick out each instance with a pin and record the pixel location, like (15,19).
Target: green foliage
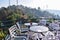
(34,20)
(13,17)
(30,16)
(50,20)
(2,35)
(9,16)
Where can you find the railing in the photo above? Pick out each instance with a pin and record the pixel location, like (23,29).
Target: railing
(7,37)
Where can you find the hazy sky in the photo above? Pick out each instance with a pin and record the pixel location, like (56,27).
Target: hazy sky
(43,4)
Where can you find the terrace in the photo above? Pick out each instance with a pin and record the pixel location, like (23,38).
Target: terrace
(35,31)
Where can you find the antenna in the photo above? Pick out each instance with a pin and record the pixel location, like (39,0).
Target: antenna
(46,6)
(17,2)
(9,4)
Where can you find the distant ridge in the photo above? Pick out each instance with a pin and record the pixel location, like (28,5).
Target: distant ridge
(56,12)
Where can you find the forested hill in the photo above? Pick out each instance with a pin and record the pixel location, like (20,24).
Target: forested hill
(36,12)
(33,11)
(22,9)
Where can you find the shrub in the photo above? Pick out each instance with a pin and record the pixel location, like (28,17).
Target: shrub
(2,35)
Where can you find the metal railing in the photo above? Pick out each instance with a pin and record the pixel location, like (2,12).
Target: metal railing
(7,37)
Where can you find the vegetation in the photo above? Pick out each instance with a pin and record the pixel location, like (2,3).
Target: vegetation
(9,17)
(2,35)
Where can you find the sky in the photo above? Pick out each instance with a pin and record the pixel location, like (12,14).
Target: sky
(43,4)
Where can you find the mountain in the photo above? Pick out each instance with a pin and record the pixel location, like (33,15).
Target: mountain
(36,12)
(31,11)
(55,12)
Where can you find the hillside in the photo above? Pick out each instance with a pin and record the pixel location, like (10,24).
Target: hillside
(29,11)
(35,12)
